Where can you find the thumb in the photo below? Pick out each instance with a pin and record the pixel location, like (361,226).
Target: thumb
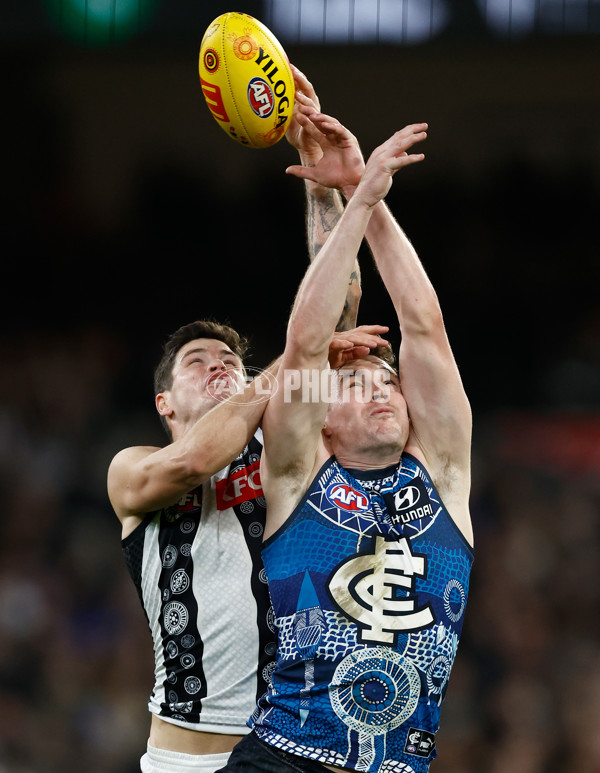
(305,172)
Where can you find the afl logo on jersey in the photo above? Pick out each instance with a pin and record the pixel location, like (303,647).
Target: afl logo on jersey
(190,502)
(347,498)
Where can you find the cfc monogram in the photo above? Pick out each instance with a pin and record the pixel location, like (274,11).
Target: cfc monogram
(375,590)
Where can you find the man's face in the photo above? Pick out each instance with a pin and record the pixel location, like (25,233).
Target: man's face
(369,412)
(205,372)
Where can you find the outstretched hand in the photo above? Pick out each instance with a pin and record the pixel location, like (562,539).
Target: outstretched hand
(355,344)
(307,146)
(339,162)
(386,160)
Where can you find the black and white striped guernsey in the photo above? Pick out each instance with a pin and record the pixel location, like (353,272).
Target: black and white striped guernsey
(199,575)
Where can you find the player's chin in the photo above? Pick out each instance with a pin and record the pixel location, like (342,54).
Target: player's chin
(386,429)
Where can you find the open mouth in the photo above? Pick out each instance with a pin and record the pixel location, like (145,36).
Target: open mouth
(219,383)
(219,376)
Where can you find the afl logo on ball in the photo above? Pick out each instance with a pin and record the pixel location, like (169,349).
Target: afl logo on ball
(345,497)
(260,97)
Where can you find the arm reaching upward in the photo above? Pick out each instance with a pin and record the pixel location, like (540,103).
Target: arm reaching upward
(324,204)
(440,414)
(292,425)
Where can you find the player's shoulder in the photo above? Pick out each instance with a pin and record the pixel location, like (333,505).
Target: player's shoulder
(126,458)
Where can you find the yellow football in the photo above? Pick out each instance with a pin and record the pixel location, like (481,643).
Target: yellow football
(246,80)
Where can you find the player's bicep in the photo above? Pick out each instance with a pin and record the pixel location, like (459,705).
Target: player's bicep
(438,406)
(140,480)
(292,425)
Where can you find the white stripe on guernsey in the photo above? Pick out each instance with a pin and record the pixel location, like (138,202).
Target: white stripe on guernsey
(226,612)
(151,568)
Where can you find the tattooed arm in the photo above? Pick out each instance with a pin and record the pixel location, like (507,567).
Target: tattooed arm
(323,209)
(324,203)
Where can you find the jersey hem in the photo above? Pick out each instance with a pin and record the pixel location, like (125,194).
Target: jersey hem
(207,727)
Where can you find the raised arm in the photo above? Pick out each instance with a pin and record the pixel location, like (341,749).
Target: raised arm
(293,419)
(324,204)
(429,373)
(439,409)
(142,479)
(440,413)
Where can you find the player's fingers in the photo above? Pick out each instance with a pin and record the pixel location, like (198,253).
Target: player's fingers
(373,328)
(305,101)
(394,150)
(408,158)
(356,352)
(305,120)
(403,140)
(303,84)
(305,172)
(351,338)
(321,119)
(413,128)
(331,127)
(371,341)
(396,162)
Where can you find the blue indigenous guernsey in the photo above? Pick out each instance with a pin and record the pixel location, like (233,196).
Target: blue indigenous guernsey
(369,580)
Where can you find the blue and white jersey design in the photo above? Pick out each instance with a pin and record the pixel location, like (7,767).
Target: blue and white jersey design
(199,575)
(369,580)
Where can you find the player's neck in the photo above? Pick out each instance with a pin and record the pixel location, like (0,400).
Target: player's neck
(180,429)
(364,460)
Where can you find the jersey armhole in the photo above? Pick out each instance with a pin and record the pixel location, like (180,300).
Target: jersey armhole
(285,525)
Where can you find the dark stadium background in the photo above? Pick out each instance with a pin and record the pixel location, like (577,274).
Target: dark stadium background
(126,211)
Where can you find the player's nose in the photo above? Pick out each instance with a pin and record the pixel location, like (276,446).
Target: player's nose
(381,392)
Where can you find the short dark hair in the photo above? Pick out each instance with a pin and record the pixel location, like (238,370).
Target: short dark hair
(386,353)
(201,328)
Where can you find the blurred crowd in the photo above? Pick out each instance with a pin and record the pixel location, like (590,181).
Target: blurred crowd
(73,652)
(75,665)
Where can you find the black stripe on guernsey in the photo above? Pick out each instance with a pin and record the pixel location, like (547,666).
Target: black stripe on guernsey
(264,612)
(185,683)
(133,552)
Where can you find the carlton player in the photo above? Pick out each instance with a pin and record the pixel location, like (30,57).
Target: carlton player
(368,545)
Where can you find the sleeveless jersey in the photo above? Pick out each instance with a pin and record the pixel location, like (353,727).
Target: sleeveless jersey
(369,580)
(199,575)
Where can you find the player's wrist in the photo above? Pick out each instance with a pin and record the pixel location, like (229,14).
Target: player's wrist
(310,159)
(348,190)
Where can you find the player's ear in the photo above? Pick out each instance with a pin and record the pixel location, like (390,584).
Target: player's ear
(162,404)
